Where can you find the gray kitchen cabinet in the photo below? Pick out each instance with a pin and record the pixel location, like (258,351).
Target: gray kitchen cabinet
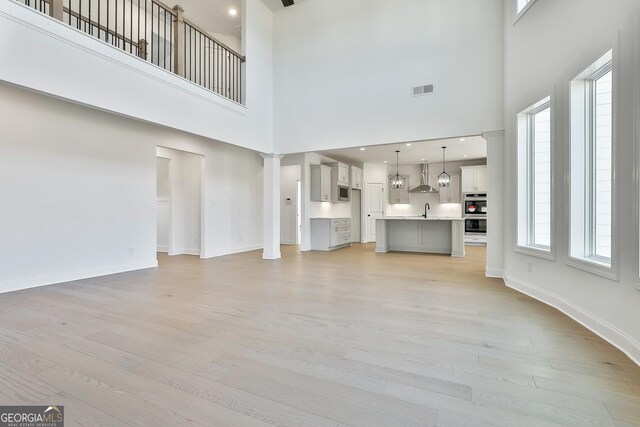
(356,178)
(328,234)
(320,183)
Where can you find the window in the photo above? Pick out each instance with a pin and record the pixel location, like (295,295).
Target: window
(522,4)
(592,163)
(534,176)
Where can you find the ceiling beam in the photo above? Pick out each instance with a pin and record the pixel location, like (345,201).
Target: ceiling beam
(287,3)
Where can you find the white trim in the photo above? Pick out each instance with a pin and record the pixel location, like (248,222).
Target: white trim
(538,253)
(163,248)
(524,10)
(69,276)
(494,273)
(636,149)
(233,251)
(614,336)
(593,267)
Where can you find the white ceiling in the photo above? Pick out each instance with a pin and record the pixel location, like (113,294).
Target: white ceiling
(276,5)
(213,15)
(473,147)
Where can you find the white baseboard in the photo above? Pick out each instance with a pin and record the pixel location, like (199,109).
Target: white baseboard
(232,251)
(164,249)
(614,336)
(494,273)
(52,279)
(184,252)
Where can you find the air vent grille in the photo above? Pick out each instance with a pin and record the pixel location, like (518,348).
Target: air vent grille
(422,90)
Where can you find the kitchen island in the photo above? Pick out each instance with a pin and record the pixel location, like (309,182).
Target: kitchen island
(418,234)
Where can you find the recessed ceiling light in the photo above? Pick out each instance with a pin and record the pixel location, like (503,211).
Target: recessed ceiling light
(386,161)
(362,149)
(463,139)
(409,145)
(233,12)
(465,156)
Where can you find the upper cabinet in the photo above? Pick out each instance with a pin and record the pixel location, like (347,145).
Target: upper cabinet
(399,196)
(451,194)
(320,183)
(341,172)
(356,178)
(474,179)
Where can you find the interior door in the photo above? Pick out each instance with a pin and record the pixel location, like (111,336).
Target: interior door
(375,209)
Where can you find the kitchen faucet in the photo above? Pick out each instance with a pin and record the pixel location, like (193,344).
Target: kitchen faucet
(426,206)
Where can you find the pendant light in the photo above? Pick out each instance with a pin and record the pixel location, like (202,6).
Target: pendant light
(444,179)
(397,182)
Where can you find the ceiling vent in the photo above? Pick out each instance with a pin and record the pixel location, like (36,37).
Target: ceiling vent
(422,90)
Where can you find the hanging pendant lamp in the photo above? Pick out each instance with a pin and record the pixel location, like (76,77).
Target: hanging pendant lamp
(444,179)
(397,182)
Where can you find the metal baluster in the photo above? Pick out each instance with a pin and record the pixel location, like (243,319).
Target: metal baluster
(98,19)
(131,25)
(116,19)
(138,42)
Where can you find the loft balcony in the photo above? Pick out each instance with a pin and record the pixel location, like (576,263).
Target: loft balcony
(158,34)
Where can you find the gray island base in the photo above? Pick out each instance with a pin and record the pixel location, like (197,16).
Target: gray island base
(417,234)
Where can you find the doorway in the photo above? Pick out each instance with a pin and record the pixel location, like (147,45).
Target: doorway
(299,214)
(179,202)
(163,202)
(290,210)
(375,208)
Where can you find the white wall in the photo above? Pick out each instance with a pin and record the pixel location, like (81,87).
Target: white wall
(344,71)
(565,36)
(79,190)
(69,64)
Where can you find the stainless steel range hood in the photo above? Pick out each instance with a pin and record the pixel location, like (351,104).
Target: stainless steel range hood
(424,186)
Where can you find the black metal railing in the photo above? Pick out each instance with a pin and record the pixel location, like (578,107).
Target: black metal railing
(148,29)
(211,64)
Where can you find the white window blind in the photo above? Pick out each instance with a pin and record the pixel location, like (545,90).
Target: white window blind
(592,167)
(534,177)
(602,150)
(541,176)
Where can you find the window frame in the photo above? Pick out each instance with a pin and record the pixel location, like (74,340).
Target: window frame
(525,221)
(578,168)
(590,179)
(519,14)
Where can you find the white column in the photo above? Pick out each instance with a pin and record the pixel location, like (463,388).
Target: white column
(271,206)
(495,202)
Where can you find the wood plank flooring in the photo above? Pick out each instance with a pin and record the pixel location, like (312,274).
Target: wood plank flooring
(347,338)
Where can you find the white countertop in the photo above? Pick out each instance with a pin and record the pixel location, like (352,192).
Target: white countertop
(328,218)
(419,218)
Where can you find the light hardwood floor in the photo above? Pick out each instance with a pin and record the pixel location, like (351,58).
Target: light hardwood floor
(348,338)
